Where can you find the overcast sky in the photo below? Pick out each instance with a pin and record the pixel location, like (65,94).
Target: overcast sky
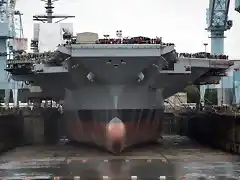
(179,21)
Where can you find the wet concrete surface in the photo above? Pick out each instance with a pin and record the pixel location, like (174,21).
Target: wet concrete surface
(173,157)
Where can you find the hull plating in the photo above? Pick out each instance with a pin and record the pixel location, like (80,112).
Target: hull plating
(114,130)
(113,117)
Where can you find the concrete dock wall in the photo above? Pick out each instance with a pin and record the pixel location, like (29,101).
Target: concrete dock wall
(31,127)
(33,130)
(169,124)
(219,131)
(11,131)
(42,126)
(52,125)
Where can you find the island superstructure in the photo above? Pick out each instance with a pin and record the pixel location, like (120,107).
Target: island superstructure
(113,89)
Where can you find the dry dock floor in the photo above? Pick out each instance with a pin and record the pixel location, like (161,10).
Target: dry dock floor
(173,157)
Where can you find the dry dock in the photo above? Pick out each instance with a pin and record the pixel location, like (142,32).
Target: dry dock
(173,157)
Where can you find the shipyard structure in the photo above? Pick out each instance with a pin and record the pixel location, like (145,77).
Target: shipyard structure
(113,88)
(12,42)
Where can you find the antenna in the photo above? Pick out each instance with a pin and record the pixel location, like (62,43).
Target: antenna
(49,13)
(222,91)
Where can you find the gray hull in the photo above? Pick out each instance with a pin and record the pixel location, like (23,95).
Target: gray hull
(136,114)
(109,103)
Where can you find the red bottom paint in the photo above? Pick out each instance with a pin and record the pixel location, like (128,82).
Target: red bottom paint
(115,142)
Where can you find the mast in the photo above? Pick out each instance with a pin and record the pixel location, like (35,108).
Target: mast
(48,17)
(49,11)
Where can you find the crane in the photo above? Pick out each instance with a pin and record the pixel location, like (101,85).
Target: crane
(237,5)
(217,23)
(5,35)
(8,35)
(235,88)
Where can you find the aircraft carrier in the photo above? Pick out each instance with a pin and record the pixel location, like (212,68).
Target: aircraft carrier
(113,89)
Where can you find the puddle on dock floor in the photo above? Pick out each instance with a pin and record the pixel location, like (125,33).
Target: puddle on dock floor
(174,157)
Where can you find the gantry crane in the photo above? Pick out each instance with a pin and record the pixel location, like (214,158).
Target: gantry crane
(5,34)
(235,89)
(8,33)
(7,25)
(237,5)
(217,23)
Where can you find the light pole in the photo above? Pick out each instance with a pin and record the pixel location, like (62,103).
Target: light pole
(205,44)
